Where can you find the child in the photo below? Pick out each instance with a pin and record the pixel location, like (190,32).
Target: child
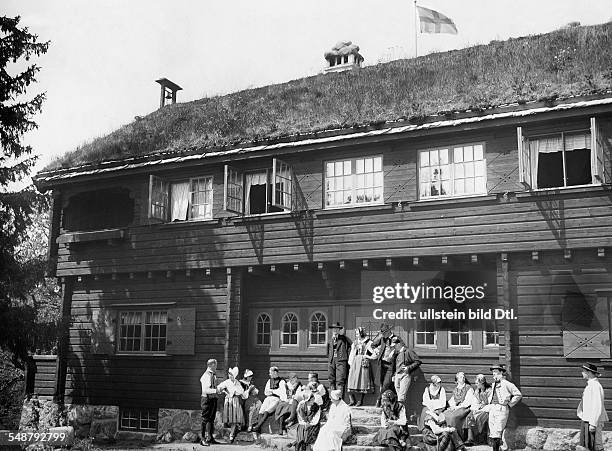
(232,410)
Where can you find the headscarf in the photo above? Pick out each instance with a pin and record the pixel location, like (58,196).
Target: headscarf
(390,406)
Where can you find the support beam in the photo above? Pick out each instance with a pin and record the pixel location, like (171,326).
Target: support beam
(63,340)
(168,274)
(389,264)
(132,276)
(506,302)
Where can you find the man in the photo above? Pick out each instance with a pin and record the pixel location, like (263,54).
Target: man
(591,410)
(406,363)
(275,391)
(338,426)
(504,395)
(381,345)
(287,410)
(338,351)
(208,402)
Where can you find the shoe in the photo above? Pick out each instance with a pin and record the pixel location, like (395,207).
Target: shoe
(204,443)
(377,403)
(232,438)
(358,404)
(468,443)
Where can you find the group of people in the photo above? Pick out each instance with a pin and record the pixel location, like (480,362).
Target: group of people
(471,414)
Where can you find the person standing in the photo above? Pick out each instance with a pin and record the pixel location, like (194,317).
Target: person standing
(233,415)
(360,378)
(385,353)
(591,410)
(504,395)
(208,402)
(337,356)
(251,403)
(406,363)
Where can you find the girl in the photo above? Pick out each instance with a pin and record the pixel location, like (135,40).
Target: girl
(393,432)
(360,373)
(232,409)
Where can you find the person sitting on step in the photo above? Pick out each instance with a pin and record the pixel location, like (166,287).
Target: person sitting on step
(275,391)
(309,418)
(287,409)
(437,435)
(393,431)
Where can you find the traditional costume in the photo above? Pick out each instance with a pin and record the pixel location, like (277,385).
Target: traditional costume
(406,363)
(434,395)
(338,350)
(287,409)
(309,416)
(385,353)
(479,415)
(232,408)
(208,402)
(504,395)
(437,435)
(592,412)
(460,404)
(360,373)
(251,403)
(275,391)
(393,432)
(338,426)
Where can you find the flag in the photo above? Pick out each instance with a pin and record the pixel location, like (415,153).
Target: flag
(434,22)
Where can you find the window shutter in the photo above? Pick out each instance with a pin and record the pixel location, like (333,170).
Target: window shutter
(282,180)
(103,326)
(586,329)
(233,191)
(597,153)
(181,331)
(158,198)
(525,176)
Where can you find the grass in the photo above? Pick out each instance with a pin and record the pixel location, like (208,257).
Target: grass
(570,61)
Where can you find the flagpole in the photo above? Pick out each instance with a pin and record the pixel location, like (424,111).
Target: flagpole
(416,35)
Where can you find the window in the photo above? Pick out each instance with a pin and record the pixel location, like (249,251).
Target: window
(568,158)
(181,200)
(263,329)
(289,330)
(142,331)
(318,329)
(98,210)
(452,171)
(425,333)
(264,191)
(490,333)
(459,334)
(144,420)
(357,181)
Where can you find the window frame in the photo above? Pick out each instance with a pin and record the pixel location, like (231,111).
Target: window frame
(162,187)
(190,207)
(452,163)
(309,330)
(256,343)
(143,338)
(449,332)
(486,345)
(282,343)
(139,419)
(435,335)
(353,175)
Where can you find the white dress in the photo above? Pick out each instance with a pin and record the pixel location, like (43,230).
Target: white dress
(337,428)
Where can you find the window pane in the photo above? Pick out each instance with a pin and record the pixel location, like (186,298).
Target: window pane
(359,166)
(478,152)
(443,156)
(433,158)
(468,153)
(330,169)
(378,164)
(458,154)
(424,158)
(347,167)
(369,166)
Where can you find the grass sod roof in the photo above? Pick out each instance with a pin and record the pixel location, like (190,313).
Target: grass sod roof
(568,62)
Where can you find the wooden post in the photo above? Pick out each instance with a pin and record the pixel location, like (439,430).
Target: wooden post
(228,315)
(63,340)
(506,303)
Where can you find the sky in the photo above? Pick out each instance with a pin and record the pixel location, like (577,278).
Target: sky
(105,55)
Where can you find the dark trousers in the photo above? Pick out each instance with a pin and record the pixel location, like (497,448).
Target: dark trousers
(386,375)
(209,410)
(338,372)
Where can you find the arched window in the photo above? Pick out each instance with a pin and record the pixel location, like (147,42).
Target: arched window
(263,329)
(289,329)
(318,329)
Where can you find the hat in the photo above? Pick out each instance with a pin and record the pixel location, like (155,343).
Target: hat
(336,325)
(385,328)
(274,368)
(233,371)
(435,379)
(592,368)
(501,367)
(335,395)
(248,373)
(396,339)
(315,375)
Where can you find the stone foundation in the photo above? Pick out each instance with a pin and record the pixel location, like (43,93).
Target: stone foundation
(533,438)
(98,422)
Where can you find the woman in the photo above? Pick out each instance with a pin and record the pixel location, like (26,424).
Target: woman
(437,435)
(479,415)
(232,409)
(434,396)
(393,432)
(360,373)
(309,416)
(251,404)
(459,405)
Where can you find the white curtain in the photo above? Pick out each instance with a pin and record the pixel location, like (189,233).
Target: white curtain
(179,195)
(250,179)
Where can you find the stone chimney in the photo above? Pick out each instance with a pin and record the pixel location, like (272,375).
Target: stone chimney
(343,56)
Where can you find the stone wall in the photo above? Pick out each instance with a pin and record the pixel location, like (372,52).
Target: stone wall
(98,422)
(548,439)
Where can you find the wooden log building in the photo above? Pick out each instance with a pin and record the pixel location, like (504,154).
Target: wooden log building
(247,254)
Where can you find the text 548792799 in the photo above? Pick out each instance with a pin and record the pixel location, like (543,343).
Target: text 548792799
(27,438)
